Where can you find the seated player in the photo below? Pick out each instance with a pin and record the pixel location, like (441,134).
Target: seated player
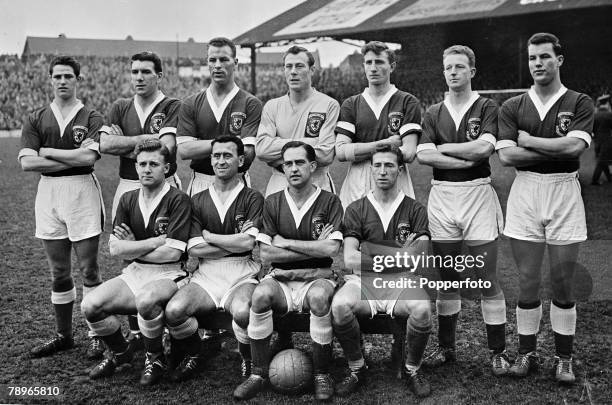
(384,222)
(224,225)
(300,236)
(151,228)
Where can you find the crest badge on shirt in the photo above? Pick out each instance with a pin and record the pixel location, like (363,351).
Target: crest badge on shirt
(79,133)
(239,220)
(236,122)
(564,120)
(161,226)
(314,123)
(318,223)
(156,122)
(402,231)
(394,122)
(472,132)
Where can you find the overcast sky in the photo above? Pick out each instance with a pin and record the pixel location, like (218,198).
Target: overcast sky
(143,20)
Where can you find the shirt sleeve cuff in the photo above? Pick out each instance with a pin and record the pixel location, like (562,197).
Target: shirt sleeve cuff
(488,138)
(184,139)
(249,140)
(176,244)
(347,126)
(337,235)
(112,238)
(409,128)
(252,231)
(194,242)
(106,129)
(505,143)
(26,152)
(581,135)
(167,131)
(426,146)
(95,146)
(263,238)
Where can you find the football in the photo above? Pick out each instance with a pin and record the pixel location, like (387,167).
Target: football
(291,372)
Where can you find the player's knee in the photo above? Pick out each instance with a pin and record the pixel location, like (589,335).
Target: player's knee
(175,312)
(62,281)
(241,316)
(420,310)
(91,307)
(90,272)
(262,296)
(319,300)
(146,304)
(342,309)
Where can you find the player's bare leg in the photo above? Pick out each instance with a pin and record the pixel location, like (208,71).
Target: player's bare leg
(151,302)
(63,295)
(239,304)
(563,259)
(87,257)
(268,297)
(528,258)
(347,305)
(448,306)
(100,308)
(318,301)
(493,306)
(182,312)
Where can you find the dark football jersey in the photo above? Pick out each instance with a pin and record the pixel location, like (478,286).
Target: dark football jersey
(282,217)
(399,113)
(169,214)
(571,111)
(45,128)
(160,118)
(238,115)
(208,212)
(479,121)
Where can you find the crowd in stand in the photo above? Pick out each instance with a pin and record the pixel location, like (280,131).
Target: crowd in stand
(24,85)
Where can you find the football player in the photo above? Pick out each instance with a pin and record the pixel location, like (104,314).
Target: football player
(303,114)
(151,229)
(222,109)
(225,222)
(149,114)
(381,115)
(542,133)
(384,222)
(60,141)
(459,135)
(602,137)
(299,237)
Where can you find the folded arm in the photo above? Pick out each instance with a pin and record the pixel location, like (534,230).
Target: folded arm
(476,150)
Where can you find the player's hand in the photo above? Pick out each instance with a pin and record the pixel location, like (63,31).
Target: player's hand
(393,140)
(206,235)
(44,152)
(246,225)
(160,240)
(409,240)
(523,138)
(115,130)
(86,143)
(123,232)
(326,231)
(280,242)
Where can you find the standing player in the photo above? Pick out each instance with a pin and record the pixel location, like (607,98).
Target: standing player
(151,229)
(302,114)
(381,115)
(459,135)
(224,225)
(385,222)
(543,133)
(602,137)
(147,115)
(222,109)
(300,236)
(60,141)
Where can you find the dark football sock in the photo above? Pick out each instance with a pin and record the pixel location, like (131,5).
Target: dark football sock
(153,345)
(447,327)
(349,336)
(63,318)
(245,350)
(260,352)
(496,337)
(417,336)
(116,342)
(133,323)
(564,345)
(321,358)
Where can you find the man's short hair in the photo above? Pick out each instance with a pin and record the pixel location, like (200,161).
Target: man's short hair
(603,100)
(220,42)
(546,38)
(67,61)
(295,50)
(390,149)
(230,139)
(310,152)
(461,50)
(153,145)
(150,57)
(379,48)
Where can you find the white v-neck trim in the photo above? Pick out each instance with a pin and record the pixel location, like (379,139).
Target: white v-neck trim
(61,121)
(543,109)
(377,108)
(457,116)
(144,114)
(298,214)
(146,212)
(218,110)
(386,216)
(221,207)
